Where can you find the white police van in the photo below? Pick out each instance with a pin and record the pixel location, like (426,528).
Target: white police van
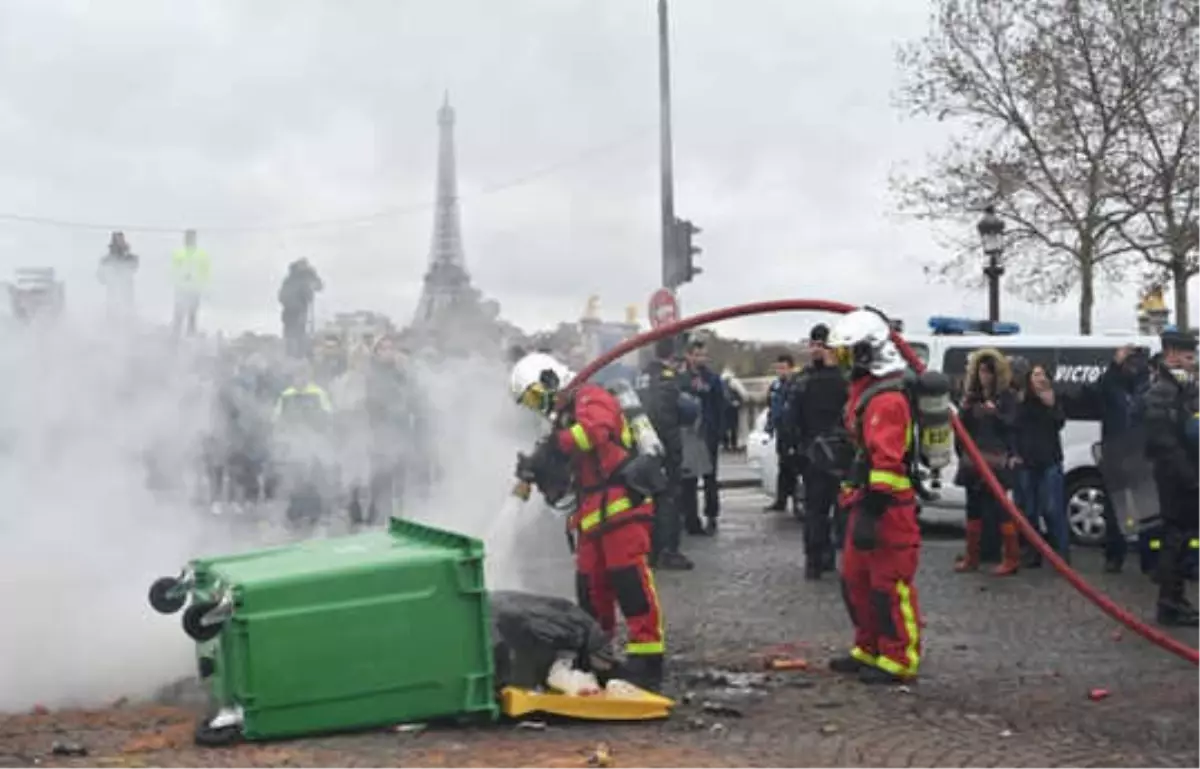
(1075,365)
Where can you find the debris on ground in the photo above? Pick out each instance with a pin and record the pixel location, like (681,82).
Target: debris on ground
(713,677)
(787,663)
(1095,695)
(409,728)
(1006,733)
(68,749)
(828,729)
(601,756)
(170,737)
(534,726)
(714,708)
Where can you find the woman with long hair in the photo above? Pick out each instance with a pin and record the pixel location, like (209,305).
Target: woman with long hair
(1040,420)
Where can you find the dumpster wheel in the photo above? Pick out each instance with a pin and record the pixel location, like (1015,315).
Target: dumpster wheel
(207,736)
(192,626)
(163,598)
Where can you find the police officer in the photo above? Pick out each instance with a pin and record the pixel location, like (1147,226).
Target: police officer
(668,409)
(781,427)
(1170,410)
(816,406)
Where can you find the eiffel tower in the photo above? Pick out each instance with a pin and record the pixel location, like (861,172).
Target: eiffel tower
(450,308)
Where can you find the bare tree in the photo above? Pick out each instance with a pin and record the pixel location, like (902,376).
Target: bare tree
(1043,91)
(1157,168)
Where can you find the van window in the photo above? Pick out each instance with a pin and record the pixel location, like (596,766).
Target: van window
(922,351)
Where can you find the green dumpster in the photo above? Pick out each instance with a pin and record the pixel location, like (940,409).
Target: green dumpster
(345,633)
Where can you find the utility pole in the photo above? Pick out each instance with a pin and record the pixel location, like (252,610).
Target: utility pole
(666,162)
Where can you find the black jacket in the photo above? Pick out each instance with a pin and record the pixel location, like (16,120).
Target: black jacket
(1169,405)
(297,290)
(660,391)
(816,403)
(1039,432)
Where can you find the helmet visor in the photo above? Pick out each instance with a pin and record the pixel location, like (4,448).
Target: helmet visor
(536,398)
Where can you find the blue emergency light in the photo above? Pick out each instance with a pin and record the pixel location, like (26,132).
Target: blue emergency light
(942,325)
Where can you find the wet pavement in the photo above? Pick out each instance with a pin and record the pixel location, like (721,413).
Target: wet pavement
(1007,672)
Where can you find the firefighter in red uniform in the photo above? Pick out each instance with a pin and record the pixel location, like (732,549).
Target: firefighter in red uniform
(883,549)
(610,527)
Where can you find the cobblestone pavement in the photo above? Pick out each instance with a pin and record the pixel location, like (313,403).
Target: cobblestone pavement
(1007,672)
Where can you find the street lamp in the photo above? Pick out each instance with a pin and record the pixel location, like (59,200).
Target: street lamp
(991,235)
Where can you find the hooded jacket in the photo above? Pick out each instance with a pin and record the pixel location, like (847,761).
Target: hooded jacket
(993,428)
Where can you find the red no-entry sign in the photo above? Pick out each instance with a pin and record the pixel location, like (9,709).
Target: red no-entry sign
(664,308)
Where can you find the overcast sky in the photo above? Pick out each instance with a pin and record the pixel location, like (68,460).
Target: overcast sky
(234,113)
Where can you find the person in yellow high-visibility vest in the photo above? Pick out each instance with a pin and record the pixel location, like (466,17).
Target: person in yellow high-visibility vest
(190,268)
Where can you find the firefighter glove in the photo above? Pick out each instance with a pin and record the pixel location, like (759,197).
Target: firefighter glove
(866,523)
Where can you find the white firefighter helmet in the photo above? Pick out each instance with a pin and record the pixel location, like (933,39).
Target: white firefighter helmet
(536,379)
(868,338)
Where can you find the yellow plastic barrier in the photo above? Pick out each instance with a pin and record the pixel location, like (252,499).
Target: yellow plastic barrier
(644,706)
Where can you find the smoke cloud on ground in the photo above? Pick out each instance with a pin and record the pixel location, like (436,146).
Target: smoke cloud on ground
(102,479)
(86,418)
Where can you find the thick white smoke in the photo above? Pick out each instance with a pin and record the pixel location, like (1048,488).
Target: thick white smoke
(86,418)
(97,432)
(477,431)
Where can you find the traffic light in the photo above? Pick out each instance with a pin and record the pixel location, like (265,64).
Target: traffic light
(681,267)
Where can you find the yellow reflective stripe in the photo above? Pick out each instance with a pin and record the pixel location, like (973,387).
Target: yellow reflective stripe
(651,647)
(593,519)
(626,434)
(1194,544)
(912,629)
(894,481)
(321,395)
(862,656)
(581,437)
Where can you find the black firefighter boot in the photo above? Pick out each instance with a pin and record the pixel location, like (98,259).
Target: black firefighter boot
(847,665)
(1177,612)
(644,671)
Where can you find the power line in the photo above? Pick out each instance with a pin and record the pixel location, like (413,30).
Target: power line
(390,212)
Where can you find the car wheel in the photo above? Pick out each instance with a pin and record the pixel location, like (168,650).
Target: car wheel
(1085,509)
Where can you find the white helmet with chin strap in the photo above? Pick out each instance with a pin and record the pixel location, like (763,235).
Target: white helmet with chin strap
(868,336)
(536,379)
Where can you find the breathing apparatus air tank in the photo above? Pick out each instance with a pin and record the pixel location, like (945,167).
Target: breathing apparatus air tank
(644,433)
(932,391)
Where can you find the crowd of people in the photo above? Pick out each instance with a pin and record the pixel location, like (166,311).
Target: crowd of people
(342,431)
(1016,417)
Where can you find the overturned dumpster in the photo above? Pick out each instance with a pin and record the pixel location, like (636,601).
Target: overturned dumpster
(336,634)
(383,628)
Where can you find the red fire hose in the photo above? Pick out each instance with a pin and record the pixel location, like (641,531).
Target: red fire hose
(1105,603)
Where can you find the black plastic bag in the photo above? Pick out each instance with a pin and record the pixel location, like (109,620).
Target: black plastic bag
(529,632)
